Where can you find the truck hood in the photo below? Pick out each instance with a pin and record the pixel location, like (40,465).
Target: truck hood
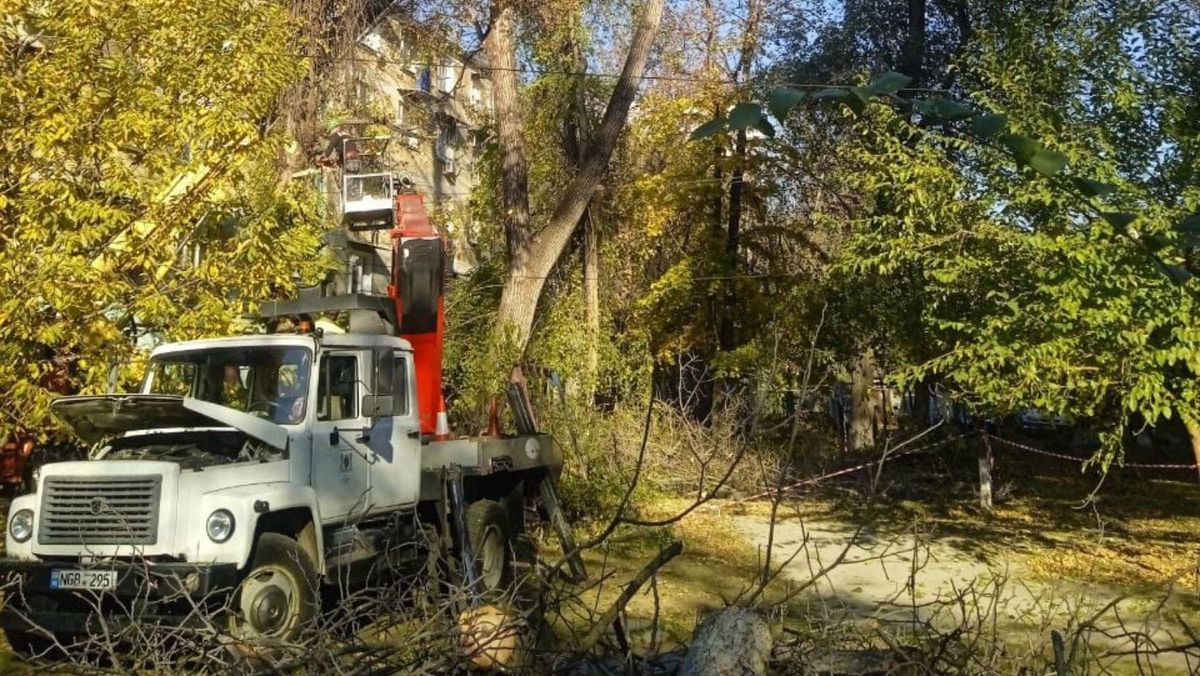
(96,417)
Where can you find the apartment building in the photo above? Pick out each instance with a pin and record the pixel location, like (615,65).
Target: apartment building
(409,112)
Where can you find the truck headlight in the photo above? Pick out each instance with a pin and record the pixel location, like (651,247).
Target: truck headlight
(220,525)
(20,525)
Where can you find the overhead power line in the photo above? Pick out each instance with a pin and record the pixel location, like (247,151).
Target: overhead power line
(659,77)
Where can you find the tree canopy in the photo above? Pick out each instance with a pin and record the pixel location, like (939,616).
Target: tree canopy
(1047,219)
(999,197)
(139,196)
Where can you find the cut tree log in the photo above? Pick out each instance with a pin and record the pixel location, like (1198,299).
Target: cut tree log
(735,641)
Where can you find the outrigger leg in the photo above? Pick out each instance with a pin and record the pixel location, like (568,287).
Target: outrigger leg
(559,522)
(458,511)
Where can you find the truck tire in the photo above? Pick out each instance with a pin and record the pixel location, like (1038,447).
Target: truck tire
(277,600)
(488,534)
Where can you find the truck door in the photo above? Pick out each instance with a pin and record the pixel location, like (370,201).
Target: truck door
(340,472)
(395,442)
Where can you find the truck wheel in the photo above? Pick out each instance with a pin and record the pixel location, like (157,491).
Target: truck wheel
(277,599)
(487,531)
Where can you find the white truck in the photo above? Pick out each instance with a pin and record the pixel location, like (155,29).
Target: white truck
(257,466)
(252,470)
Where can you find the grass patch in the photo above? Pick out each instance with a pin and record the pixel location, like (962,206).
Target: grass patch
(717,563)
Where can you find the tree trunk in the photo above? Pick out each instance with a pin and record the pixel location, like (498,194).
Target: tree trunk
(1193,428)
(736,186)
(914,45)
(922,403)
(591,297)
(514,174)
(579,143)
(960,12)
(535,258)
(709,71)
(725,335)
(863,405)
(731,641)
(718,200)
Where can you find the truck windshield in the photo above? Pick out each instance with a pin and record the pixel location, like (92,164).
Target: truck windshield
(270,382)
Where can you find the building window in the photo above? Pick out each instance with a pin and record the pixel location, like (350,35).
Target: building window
(447,149)
(447,76)
(481,92)
(446,142)
(476,96)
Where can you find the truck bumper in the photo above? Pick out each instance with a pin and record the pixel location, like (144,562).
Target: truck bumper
(164,593)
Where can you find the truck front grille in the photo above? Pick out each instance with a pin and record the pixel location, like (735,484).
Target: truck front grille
(99,510)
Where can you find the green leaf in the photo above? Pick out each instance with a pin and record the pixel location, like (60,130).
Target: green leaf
(764,125)
(1023,148)
(1092,188)
(1157,242)
(709,129)
(854,97)
(783,100)
(987,126)
(861,93)
(1190,225)
(1047,162)
(1118,219)
(859,96)
(945,109)
(889,83)
(1189,229)
(745,115)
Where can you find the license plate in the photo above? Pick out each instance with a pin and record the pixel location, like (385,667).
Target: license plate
(83,579)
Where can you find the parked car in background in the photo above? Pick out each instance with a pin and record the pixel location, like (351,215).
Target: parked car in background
(1037,420)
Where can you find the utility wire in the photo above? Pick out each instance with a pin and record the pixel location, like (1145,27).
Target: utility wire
(664,77)
(704,278)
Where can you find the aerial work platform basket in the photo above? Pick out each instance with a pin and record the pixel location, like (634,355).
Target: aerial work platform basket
(367,187)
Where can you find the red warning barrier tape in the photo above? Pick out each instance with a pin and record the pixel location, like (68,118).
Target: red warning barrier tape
(920,449)
(1075,458)
(1140,465)
(852,469)
(1033,449)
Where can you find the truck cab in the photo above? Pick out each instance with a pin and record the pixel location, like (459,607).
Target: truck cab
(302,435)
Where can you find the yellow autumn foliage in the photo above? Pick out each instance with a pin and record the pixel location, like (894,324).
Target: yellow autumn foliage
(139,198)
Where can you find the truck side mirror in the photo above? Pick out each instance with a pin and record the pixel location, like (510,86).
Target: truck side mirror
(379,402)
(375,406)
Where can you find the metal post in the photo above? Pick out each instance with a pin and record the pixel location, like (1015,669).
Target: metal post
(985,471)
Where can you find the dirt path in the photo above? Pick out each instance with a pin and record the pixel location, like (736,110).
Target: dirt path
(875,575)
(875,581)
